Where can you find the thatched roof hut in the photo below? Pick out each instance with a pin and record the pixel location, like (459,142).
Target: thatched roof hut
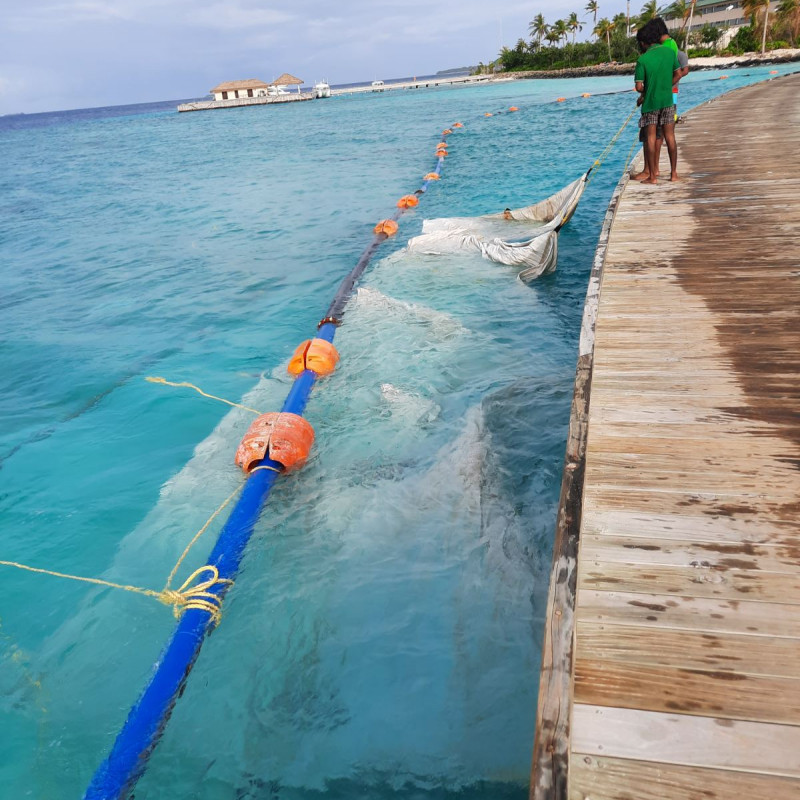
(288,80)
(233,86)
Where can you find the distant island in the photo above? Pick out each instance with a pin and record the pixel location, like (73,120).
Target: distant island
(456,71)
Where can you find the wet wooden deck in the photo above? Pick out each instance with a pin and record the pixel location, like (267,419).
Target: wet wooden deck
(672,650)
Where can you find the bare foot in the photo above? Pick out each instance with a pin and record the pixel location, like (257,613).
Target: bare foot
(640,176)
(674,177)
(651,181)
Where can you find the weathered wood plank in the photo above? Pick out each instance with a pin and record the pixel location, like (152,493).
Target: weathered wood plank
(593,778)
(691,613)
(685,739)
(632,549)
(692,501)
(726,652)
(728,585)
(708,693)
(739,527)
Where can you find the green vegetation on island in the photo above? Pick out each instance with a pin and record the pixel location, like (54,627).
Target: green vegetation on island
(553,46)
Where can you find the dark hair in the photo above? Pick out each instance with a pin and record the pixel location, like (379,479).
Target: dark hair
(650,33)
(660,26)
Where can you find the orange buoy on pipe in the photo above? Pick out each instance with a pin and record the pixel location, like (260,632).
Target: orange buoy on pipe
(586,94)
(458,125)
(441,153)
(408,201)
(561,99)
(432,176)
(487,114)
(446,131)
(318,355)
(513,108)
(281,436)
(388,227)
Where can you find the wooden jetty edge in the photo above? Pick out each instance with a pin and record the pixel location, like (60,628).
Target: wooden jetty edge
(671,655)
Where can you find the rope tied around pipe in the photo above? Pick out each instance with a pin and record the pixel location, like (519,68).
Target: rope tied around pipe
(197,596)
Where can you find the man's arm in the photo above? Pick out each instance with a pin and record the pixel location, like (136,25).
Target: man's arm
(677,75)
(639,87)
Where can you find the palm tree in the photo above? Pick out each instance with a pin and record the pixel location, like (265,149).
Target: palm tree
(678,10)
(593,8)
(552,37)
(560,27)
(753,9)
(649,11)
(538,28)
(574,24)
(789,15)
(605,28)
(620,21)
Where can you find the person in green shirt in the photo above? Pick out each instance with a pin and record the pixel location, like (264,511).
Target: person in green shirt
(657,70)
(661,29)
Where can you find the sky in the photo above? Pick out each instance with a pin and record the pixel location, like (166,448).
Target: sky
(62,54)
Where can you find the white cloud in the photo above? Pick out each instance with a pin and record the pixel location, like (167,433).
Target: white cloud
(235,16)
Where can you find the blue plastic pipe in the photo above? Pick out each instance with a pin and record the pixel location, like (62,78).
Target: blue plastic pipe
(117,775)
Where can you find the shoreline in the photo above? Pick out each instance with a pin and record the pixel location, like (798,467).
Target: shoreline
(782,56)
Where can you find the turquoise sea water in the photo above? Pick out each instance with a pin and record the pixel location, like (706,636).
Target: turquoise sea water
(383,637)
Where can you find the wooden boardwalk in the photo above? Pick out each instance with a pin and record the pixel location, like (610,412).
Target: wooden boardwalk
(672,650)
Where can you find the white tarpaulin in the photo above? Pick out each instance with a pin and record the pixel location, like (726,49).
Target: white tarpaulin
(525,237)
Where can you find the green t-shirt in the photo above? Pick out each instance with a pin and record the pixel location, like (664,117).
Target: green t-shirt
(655,68)
(671,43)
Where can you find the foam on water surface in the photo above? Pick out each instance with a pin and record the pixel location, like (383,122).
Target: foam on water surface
(382,638)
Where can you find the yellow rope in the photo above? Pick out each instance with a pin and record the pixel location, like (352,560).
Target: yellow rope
(156,379)
(199,534)
(630,153)
(189,595)
(610,146)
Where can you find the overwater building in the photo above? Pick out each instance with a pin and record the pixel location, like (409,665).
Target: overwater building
(232,90)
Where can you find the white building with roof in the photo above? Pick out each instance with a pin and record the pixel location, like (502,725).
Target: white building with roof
(232,90)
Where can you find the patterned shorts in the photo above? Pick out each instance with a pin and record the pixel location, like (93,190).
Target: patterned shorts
(661,116)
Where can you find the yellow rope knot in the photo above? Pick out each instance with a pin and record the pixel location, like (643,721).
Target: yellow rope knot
(197,596)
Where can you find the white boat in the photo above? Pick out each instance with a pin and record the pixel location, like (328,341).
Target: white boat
(377,86)
(322,89)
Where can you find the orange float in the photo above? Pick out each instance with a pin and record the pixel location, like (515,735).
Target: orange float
(458,125)
(446,131)
(408,201)
(773,72)
(388,227)
(280,436)
(513,108)
(441,145)
(723,77)
(487,114)
(441,153)
(432,176)
(586,94)
(318,355)
(561,100)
